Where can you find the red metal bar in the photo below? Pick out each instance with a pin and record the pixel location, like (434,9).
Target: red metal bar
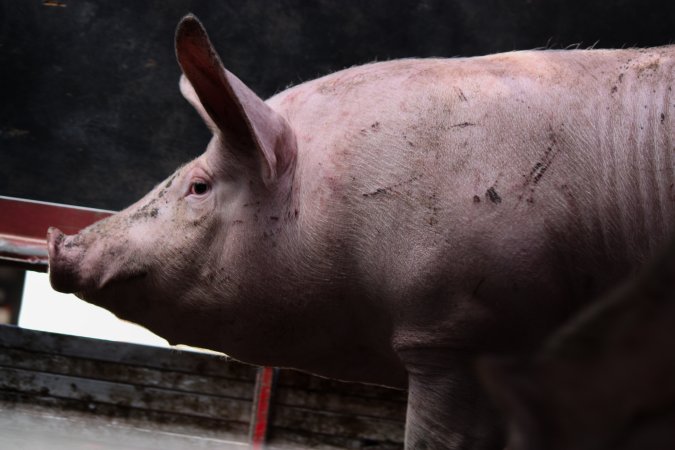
(262,406)
(24,224)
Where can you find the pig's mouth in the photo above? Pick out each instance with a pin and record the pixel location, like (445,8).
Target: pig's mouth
(110,285)
(62,270)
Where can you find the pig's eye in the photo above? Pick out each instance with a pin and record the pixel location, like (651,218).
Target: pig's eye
(199,188)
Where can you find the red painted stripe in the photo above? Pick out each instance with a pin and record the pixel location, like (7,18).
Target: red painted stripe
(263,403)
(24,224)
(30,219)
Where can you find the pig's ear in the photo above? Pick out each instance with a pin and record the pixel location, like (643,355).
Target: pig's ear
(191,96)
(229,106)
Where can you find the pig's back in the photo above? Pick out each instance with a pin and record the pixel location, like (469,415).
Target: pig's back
(544,172)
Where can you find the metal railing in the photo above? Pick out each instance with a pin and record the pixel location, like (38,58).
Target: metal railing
(24,224)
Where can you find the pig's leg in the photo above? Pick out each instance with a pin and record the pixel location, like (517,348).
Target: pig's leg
(447,408)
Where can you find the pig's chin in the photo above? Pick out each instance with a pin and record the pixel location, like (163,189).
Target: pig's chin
(120,282)
(65,277)
(68,277)
(119,295)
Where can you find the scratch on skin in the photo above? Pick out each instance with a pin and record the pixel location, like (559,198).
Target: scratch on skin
(587,71)
(461,95)
(540,167)
(392,188)
(463,125)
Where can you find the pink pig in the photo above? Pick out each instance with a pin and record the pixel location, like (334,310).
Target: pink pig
(388,223)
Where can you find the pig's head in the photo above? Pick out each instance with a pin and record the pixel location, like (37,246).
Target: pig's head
(169,260)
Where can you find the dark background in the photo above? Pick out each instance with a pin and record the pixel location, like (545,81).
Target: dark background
(90,112)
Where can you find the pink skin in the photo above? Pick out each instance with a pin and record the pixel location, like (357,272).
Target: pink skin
(387,223)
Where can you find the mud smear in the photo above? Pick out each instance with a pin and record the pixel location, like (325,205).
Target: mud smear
(168,183)
(492,195)
(374,127)
(431,203)
(147,211)
(74,242)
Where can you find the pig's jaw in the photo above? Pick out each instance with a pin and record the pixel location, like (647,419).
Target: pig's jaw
(69,271)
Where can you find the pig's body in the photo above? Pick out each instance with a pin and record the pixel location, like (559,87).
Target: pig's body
(387,223)
(543,177)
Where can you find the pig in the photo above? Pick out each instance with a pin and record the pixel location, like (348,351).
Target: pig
(387,223)
(605,380)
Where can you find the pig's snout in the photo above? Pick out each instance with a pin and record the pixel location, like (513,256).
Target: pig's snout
(54,239)
(63,273)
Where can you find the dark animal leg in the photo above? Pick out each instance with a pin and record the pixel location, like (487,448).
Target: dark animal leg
(447,408)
